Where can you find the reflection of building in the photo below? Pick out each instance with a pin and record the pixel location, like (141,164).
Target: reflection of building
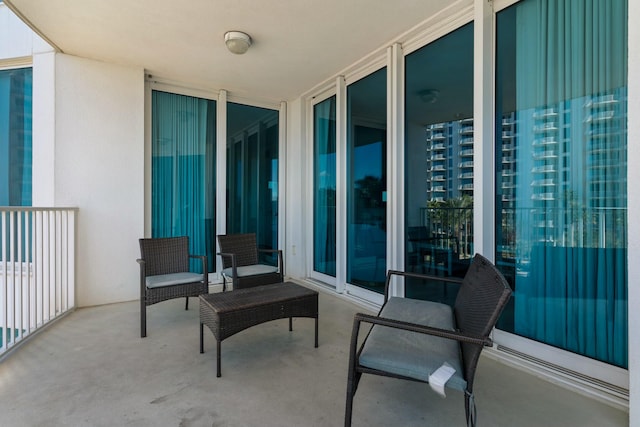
(570,164)
(449,151)
(540,180)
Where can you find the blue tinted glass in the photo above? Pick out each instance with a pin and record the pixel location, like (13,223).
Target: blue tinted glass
(367,181)
(439,161)
(15,137)
(324,187)
(561,157)
(252,172)
(183,147)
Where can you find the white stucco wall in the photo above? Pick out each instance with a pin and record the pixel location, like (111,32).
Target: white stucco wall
(99,168)
(294,188)
(16,38)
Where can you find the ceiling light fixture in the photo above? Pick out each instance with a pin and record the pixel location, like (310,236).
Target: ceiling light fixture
(237,42)
(429,96)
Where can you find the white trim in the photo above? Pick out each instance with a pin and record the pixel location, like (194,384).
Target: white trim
(324,278)
(282,176)
(444,22)
(581,364)
(366,70)
(373,298)
(167,85)
(483,124)
(395,163)
(148,119)
(253,102)
(341,178)
(14,63)
(499,5)
(221,172)
(179,89)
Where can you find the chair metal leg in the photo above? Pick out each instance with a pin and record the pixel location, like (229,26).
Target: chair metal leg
(186,305)
(218,357)
(143,319)
(349,404)
(470,409)
(201,337)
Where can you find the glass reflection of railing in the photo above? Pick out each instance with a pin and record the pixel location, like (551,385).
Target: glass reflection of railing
(454,223)
(568,227)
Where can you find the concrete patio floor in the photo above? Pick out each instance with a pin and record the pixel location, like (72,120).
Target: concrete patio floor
(91,368)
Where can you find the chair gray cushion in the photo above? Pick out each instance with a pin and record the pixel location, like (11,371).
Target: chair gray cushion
(172,279)
(251,270)
(411,354)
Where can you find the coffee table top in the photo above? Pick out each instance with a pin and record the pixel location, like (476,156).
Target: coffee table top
(250,297)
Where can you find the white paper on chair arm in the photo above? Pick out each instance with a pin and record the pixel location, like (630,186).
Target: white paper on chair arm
(439,378)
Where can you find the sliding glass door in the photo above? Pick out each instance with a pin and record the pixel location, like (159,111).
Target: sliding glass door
(367,182)
(252,172)
(324,187)
(183,147)
(439,161)
(561,156)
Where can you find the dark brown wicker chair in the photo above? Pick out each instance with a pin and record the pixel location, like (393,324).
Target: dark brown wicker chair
(165,274)
(410,339)
(241,265)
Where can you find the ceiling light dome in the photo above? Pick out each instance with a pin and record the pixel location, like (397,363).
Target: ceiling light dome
(237,42)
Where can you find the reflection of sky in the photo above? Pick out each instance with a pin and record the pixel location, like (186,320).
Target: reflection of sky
(368,161)
(327,167)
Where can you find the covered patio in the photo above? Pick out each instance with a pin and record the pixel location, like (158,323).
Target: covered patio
(92,369)
(97,70)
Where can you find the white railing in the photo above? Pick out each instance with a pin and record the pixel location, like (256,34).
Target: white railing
(37,269)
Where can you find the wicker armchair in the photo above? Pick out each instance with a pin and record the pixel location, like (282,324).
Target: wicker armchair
(410,339)
(240,262)
(164,274)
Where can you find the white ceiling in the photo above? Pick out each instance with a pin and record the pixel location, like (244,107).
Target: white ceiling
(298,44)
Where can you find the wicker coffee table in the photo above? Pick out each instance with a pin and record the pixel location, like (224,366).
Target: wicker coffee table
(227,313)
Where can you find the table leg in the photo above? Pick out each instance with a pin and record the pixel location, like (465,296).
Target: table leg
(201,337)
(218,363)
(290,324)
(316,331)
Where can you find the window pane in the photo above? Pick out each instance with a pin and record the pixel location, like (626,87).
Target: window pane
(367,181)
(324,187)
(561,211)
(439,161)
(252,173)
(15,137)
(183,171)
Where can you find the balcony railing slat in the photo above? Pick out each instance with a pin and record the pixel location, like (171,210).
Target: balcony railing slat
(37,265)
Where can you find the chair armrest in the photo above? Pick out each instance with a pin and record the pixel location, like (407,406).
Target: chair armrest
(422,276)
(280,258)
(422,329)
(234,267)
(205,266)
(143,275)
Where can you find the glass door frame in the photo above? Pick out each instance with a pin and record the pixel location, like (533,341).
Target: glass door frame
(537,354)
(221,97)
(483,14)
(310,225)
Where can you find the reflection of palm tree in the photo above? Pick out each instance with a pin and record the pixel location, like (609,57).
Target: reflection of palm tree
(452,218)
(436,215)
